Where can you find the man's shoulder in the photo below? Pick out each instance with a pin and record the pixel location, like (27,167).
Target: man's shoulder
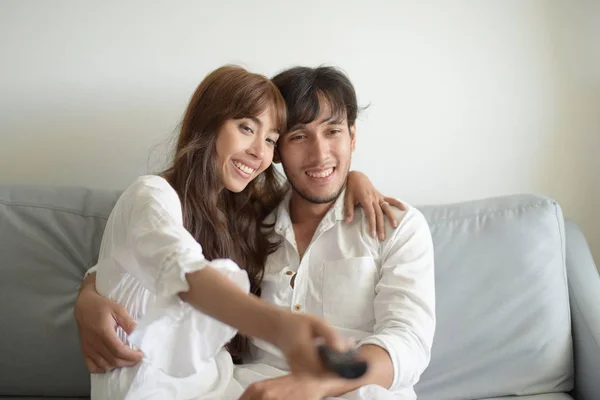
(409,221)
(411,214)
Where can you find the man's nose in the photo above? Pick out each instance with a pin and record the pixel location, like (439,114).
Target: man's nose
(320,149)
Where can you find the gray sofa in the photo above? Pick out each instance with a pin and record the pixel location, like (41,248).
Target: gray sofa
(518,297)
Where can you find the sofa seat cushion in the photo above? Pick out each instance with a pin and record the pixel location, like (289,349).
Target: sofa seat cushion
(548,396)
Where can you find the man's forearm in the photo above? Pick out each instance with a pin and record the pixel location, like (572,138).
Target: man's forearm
(380,372)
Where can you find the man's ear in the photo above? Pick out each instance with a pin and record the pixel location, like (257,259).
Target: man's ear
(353,136)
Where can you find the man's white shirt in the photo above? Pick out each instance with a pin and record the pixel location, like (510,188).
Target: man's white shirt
(377,292)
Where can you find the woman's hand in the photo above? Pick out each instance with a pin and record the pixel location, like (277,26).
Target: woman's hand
(360,191)
(297,337)
(97,320)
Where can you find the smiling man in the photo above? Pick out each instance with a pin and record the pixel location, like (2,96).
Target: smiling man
(380,293)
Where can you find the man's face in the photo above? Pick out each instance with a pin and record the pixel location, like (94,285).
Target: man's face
(316,157)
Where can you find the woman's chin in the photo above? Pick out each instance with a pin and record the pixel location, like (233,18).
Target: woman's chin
(236,187)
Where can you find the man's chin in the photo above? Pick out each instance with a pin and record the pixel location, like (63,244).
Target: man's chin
(319,198)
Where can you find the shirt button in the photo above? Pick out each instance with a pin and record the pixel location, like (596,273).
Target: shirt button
(289,273)
(297,307)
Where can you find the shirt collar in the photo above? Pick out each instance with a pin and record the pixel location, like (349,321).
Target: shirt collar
(284,220)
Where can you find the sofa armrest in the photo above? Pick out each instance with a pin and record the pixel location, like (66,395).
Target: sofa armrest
(584,296)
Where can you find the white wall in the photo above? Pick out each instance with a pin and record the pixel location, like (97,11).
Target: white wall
(574,29)
(468,99)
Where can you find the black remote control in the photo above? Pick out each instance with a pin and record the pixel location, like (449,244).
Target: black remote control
(347,365)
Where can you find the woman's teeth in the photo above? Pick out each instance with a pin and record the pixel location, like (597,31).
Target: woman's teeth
(320,174)
(243,167)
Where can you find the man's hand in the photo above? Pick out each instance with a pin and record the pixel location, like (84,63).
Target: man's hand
(97,321)
(289,387)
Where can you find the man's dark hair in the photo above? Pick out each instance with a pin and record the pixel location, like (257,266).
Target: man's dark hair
(303,87)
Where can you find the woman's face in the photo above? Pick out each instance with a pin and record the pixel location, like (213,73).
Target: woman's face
(245,149)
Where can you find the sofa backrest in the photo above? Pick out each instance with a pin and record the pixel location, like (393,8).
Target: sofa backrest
(503,322)
(503,319)
(49,236)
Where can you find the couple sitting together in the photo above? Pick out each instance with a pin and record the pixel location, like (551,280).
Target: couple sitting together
(216,278)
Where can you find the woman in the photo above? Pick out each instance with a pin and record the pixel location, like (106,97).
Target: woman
(209,205)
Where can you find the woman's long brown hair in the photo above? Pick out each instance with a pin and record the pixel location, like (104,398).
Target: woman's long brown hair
(226,224)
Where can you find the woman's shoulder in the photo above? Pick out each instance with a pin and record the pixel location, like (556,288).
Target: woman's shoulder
(150,181)
(151,189)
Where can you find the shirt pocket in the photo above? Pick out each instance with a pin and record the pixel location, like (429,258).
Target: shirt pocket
(349,292)
(276,287)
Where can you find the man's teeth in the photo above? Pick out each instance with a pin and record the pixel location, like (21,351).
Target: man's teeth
(321,174)
(243,167)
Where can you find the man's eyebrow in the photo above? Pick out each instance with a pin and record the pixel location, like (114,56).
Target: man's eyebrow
(297,127)
(329,120)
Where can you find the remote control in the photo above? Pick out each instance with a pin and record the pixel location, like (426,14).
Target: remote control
(347,365)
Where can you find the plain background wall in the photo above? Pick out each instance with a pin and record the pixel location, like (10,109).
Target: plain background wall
(468,99)
(574,30)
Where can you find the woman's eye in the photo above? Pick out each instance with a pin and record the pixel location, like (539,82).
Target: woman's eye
(246,128)
(272,142)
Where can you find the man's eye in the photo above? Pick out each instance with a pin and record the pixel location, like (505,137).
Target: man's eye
(298,137)
(334,131)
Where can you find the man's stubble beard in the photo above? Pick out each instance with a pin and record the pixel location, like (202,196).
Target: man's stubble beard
(319,200)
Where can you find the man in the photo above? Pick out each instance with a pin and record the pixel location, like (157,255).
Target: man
(380,293)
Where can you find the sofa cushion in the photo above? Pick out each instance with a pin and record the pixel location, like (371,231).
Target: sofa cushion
(503,322)
(48,238)
(546,396)
(43,398)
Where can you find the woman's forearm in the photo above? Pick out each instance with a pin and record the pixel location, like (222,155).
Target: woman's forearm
(217,296)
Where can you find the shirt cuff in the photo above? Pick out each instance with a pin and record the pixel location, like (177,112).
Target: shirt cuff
(172,280)
(391,345)
(90,271)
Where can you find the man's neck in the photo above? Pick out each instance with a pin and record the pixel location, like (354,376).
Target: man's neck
(304,212)
(306,217)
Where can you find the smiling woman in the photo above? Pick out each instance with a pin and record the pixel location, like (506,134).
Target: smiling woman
(245,149)
(181,236)
(233,118)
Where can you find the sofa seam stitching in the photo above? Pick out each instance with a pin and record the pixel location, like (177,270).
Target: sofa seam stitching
(52,208)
